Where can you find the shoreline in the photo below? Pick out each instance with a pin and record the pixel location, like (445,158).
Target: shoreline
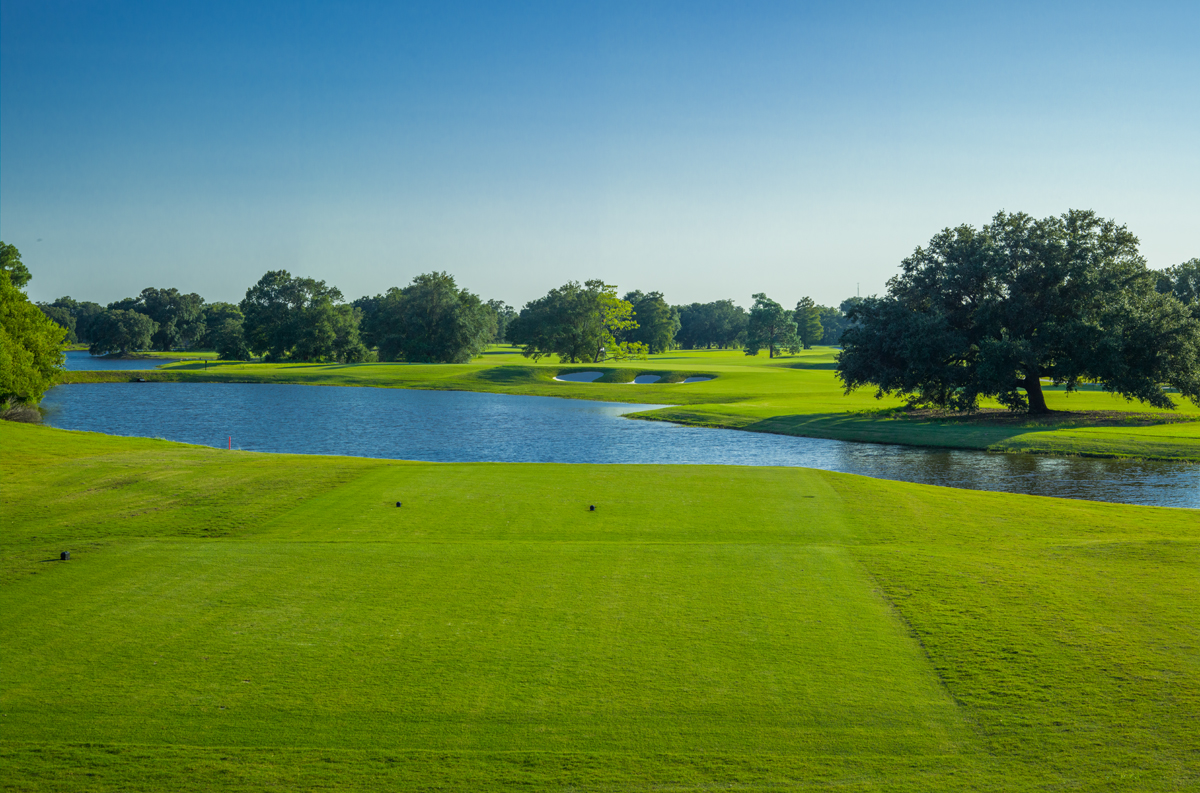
(1102,441)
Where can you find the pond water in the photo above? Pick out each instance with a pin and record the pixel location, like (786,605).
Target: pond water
(460,426)
(82,360)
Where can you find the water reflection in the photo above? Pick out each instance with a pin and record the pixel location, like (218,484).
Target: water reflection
(83,361)
(457,426)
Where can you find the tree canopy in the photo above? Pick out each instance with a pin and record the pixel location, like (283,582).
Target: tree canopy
(807,317)
(771,326)
(121,331)
(990,312)
(61,317)
(178,318)
(431,320)
(300,318)
(504,314)
(1183,281)
(10,262)
(81,315)
(657,322)
(31,345)
(721,323)
(577,322)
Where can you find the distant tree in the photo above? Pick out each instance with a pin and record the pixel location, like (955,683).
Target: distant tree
(432,320)
(126,304)
(504,314)
(657,322)
(31,345)
(368,329)
(214,318)
(83,312)
(300,318)
(578,323)
(807,317)
(849,303)
(329,332)
(990,312)
(121,331)
(1183,281)
(178,318)
(771,326)
(10,262)
(721,323)
(229,341)
(347,345)
(61,317)
(833,322)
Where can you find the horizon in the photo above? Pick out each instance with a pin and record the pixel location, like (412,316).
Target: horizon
(706,152)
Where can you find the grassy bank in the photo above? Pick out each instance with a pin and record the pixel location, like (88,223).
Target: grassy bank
(239,621)
(792,395)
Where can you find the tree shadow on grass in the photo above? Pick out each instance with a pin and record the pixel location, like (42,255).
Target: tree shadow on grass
(888,427)
(512,375)
(826,365)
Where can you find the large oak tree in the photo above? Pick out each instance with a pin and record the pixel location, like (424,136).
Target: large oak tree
(990,312)
(431,320)
(578,323)
(300,318)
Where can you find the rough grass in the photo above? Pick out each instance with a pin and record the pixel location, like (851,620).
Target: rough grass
(239,621)
(791,395)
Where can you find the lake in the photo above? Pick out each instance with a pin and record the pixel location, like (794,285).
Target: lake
(460,426)
(82,361)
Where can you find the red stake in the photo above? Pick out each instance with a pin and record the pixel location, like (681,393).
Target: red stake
(230,443)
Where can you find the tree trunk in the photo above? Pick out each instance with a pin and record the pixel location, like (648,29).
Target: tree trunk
(1033,390)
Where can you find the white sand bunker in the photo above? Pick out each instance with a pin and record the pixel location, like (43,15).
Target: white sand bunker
(642,379)
(579,377)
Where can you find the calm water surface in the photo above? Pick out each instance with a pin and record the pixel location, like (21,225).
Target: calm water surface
(459,426)
(82,360)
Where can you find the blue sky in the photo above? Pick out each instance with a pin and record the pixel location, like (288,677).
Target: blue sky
(706,150)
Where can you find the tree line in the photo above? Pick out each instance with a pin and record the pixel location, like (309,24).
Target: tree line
(433,320)
(977,313)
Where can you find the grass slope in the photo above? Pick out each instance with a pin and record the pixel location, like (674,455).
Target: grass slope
(239,621)
(792,395)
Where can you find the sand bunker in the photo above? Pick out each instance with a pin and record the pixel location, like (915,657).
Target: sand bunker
(579,377)
(642,379)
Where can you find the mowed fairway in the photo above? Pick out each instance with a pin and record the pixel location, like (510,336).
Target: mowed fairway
(249,621)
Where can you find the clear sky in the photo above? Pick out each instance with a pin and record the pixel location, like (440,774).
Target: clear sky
(706,150)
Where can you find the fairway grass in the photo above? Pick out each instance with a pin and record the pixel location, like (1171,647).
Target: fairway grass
(241,621)
(789,395)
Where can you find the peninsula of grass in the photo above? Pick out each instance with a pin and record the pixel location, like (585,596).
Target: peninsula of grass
(238,621)
(791,395)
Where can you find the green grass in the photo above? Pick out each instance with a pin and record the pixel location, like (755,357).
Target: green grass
(792,395)
(240,621)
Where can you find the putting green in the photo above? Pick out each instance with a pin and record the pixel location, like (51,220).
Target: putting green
(249,621)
